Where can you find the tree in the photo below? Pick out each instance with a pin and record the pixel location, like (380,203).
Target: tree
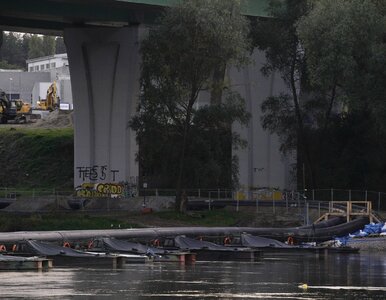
(35,47)
(209,155)
(48,45)
(179,58)
(60,47)
(5,65)
(345,52)
(332,56)
(17,48)
(11,52)
(25,46)
(348,55)
(284,114)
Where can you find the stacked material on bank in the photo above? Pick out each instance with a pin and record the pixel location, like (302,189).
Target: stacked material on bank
(46,249)
(252,241)
(383,230)
(9,262)
(129,247)
(155,253)
(371,237)
(208,251)
(370,229)
(67,256)
(271,246)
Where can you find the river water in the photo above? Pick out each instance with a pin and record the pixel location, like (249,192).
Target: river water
(332,276)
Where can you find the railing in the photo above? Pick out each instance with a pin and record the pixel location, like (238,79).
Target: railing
(378,199)
(58,200)
(349,209)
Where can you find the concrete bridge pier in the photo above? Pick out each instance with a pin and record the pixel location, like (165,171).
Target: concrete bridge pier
(105,69)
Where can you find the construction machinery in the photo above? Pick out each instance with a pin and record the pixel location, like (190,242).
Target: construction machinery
(7,110)
(51,101)
(17,111)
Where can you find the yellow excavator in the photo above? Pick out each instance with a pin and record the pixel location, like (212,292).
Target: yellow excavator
(22,107)
(51,101)
(13,110)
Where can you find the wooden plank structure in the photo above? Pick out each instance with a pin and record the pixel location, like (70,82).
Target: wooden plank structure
(349,210)
(8,262)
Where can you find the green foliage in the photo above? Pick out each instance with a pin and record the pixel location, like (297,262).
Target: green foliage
(35,47)
(352,156)
(348,46)
(345,50)
(17,48)
(37,158)
(12,52)
(209,151)
(60,47)
(216,217)
(48,45)
(60,222)
(75,221)
(334,52)
(279,117)
(179,58)
(277,37)
(5,65)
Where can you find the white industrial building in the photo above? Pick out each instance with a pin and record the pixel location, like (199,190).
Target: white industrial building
(47,63)
(31,86)
(57,66)
(19,85)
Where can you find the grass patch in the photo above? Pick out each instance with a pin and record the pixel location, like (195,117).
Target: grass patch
(38,222)
(205,218)
(74,221)
(32,158)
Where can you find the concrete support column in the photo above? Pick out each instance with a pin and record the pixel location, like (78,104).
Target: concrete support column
(104,68)
(261,165)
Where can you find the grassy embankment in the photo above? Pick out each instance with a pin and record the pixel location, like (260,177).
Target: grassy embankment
(42,159)
(74,221)
(36,158)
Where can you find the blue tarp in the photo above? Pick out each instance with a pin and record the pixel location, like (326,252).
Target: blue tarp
(372,228)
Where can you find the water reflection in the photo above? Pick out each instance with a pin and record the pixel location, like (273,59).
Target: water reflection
(338,276)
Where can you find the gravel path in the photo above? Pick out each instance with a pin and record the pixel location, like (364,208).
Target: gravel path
(368,243)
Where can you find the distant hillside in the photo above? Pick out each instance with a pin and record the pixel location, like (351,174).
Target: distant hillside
(36,157)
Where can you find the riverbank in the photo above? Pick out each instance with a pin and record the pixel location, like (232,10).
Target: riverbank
(31,157)
(122,220)
(74,220)
(375,243)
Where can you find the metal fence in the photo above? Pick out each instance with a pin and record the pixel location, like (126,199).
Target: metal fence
(16,200)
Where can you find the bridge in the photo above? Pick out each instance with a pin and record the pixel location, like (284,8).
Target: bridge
(102,39)
(53,17)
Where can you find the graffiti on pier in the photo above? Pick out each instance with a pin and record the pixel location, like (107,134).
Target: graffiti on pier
(126,189)
(95,173)
(131,187)
(110,188)
(100,190)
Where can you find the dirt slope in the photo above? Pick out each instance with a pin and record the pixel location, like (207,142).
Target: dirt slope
(55,119)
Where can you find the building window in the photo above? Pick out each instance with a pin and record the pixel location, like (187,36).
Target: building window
(31,69)
(36,68)
(53,65)
(47,66)
(41,67)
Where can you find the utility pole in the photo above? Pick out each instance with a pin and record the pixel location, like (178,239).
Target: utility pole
(10,89)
